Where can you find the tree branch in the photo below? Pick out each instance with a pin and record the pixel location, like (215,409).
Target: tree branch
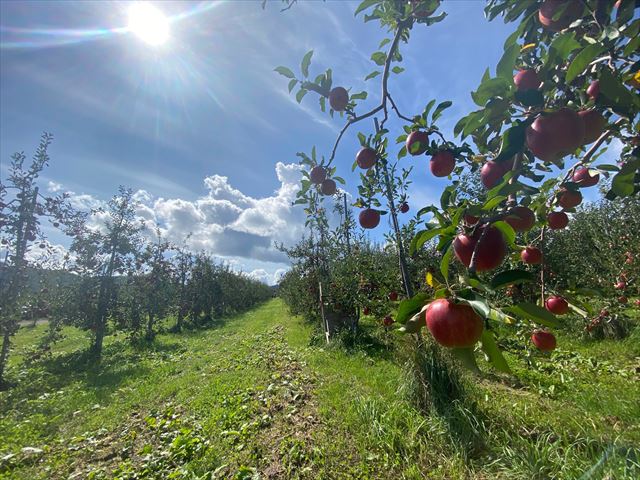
(385,94)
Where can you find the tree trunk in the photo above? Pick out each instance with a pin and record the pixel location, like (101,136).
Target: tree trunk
(4,354)
(179,320)
(150,333)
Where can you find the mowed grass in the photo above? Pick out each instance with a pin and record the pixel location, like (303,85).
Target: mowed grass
(252,397)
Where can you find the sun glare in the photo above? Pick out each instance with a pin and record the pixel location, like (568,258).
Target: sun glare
(148,23)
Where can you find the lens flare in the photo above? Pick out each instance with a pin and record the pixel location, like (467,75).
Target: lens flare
(148,23)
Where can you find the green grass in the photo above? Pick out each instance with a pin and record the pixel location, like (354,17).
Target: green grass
(254,396)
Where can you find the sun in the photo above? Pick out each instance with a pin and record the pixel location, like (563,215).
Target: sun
(148,23)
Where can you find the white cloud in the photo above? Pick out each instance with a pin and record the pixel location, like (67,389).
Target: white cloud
(54,187)
(266,277)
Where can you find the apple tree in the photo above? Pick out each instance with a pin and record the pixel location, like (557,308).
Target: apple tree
(23,209)
(564,88)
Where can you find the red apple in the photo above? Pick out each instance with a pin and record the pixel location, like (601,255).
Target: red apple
(568,11)
(544,340)
(417,142)
(442,163)
(453,325)
(366,311)
(387,321)
(584,178)
(366,158)
(621,285)
(531,255)
(393,296)
(491,173)
(491,250)
(556,134)
(328,187)
(594,124)
(569,198)
(622,299)
(404,207)
(526,80)
(369,218)
(637,302)
(339,99)
(520,218)
(557,220)
(593,90)
(556,305)
(318,174)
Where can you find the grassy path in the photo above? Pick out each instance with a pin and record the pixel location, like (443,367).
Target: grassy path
(251,399)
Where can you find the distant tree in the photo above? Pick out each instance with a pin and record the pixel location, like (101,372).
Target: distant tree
(104,252)
(155,291)
(183,262)
(22,209)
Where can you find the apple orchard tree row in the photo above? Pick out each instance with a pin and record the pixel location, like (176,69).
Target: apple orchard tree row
(565,87)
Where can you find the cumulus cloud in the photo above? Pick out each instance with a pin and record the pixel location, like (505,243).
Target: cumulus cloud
(269,278)
(54,187)
(224,221)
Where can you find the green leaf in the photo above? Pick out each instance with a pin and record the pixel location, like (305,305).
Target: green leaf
(428,108)
(480,306)
(292,84)
(560,48)
(300,95)
(608,167)
(397,69)
(507,63)
(490,347)
(410,306)
(614,94)
(494,202)
(507,231)
(529,98)
(444,263)
(285,71)
(533,312)
(423,237)
(359,96)
(512,142)
(384,42)
(511,277)
(379,58)
(623,181)
(364,5)
(493,87)
(582,59)
(373,74)
(466,358)
(439,109)
(306,61)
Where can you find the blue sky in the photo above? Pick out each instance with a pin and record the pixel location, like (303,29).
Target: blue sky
(201,125)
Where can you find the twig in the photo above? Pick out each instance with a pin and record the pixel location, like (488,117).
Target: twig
(383,102)
(395,108)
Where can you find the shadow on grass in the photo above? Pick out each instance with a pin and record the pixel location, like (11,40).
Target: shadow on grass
(441,390)
(361,341)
